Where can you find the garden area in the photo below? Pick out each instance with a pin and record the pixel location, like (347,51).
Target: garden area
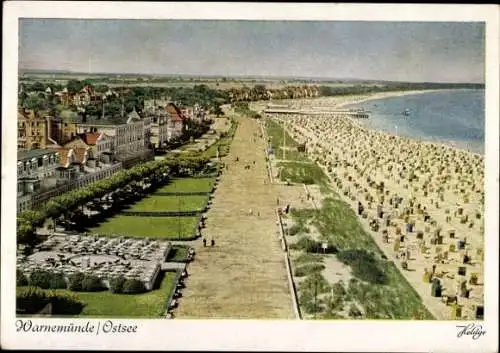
(188,185)
(170,203)
(178,253)
(167,228)
(104,303)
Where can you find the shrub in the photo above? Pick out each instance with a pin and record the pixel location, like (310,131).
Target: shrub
(116,284)
(338,289)
(57,281)
(75,281)
(364,265)
(133,286)
(315,282)
(354,311)
(295,229)
(91,283)
(312,246)
(30,300)
(307,269)
(21,279)
(40,278)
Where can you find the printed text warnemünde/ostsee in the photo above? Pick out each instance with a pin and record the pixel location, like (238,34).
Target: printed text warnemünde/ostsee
(81,327)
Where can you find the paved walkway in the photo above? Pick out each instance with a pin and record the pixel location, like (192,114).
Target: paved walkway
(244,275)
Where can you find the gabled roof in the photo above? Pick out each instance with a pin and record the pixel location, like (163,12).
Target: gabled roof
(174,112)
(133,116)
(90,138)
(63,154)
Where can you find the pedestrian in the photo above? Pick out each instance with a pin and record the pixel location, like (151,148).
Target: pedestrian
(258,213)
(254,162)
(212,242)
(204,242)
(277,201)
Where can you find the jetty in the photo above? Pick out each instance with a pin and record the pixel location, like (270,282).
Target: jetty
(361,114)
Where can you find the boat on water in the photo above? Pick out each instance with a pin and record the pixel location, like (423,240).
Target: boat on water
(406,112)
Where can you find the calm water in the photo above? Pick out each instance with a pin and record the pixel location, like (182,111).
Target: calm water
(454,117)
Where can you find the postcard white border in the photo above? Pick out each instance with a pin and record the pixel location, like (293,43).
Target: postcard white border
(254,335)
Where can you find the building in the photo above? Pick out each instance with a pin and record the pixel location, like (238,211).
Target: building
(175,125)
(196,113)
(61,131)
(159,122)
(36,168)
(131,140)
(99,145)
(33,130)
(86,96)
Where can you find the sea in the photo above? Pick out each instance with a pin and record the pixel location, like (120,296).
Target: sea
(452,117)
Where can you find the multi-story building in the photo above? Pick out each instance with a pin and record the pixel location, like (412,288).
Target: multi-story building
(129,140)
(33,130)
(196,113)
(34,168)
(38,130)
(175,125)
(61,131)
(99,145)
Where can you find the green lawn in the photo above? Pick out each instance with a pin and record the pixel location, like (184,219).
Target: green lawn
(110,305)
(170,203)
(178,253)
(189,185)
(151,227)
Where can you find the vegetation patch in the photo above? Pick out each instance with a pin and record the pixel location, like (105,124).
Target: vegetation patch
(172,228)
(178,253)
(188,185)
(98,304)
(308,269)
(364,265)
(170,203)
(302,173)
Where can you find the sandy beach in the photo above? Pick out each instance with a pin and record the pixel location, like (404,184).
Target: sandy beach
(421,201)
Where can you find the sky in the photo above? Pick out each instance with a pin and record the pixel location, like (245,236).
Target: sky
(393,51)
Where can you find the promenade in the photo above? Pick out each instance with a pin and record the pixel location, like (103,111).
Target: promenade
(244,274)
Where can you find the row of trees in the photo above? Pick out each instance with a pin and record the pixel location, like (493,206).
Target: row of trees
(155,172)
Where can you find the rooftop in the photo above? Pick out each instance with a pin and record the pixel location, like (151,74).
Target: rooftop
(90,138)
(23,154)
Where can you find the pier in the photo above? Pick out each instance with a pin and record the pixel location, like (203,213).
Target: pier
(361,114)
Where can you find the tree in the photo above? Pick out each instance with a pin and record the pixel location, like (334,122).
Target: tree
(35,103)
(74,86)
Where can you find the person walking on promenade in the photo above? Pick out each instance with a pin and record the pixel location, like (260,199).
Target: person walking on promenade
(204,242)
(212,242)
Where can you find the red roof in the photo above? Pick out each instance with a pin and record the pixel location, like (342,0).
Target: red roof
(174,112)
(90,138)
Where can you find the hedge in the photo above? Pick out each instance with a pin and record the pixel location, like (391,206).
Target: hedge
(30,300)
